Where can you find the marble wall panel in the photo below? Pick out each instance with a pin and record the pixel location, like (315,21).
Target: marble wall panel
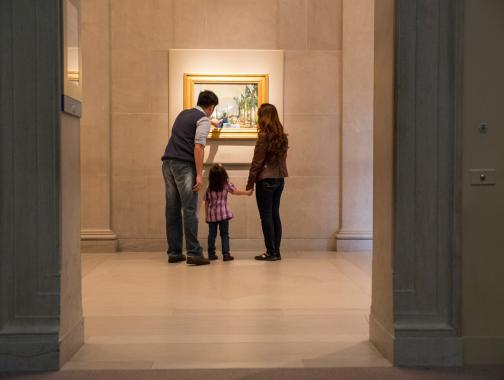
(155,207)
(146,24)
(95,210)
(138,208)
(292,24)
(189,24)
(314,142)
(312,82)
(324,24)
(130,195)
(310,207)
(139,141)
(139,81)
(225,24)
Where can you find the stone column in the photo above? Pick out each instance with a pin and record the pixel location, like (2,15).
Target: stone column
(427,183)
(30,256)
(96,232)
(357,127)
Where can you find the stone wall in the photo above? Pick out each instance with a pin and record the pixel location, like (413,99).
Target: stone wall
(310,33)
(483,206)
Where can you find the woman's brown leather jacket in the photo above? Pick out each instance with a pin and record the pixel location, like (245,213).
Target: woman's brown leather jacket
(265,165)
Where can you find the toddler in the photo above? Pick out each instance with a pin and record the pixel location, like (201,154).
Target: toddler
(217,213)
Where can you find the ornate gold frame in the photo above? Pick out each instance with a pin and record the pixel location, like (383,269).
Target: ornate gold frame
(262,86)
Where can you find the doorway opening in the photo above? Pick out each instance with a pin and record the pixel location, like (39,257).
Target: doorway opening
(309,310)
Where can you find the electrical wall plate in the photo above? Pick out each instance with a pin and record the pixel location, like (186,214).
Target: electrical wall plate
(483,177)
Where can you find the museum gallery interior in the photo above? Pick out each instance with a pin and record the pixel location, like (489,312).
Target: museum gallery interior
(391,211)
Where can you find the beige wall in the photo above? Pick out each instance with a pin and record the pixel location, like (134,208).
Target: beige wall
(96,230)
(381,320)
(356,229)
(71,318)
(483,206)
(309,32)
(141,34)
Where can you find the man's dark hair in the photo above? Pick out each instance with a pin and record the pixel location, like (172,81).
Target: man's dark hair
(207,98)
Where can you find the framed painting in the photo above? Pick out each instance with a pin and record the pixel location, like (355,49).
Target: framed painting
(239,99)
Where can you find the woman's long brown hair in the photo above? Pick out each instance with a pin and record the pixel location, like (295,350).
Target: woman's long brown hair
(269,124)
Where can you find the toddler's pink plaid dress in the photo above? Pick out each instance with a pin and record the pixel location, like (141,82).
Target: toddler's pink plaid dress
(217,204)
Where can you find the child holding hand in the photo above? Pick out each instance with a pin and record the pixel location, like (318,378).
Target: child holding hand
(217,213)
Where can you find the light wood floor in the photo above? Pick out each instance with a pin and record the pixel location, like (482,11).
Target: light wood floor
(309,310)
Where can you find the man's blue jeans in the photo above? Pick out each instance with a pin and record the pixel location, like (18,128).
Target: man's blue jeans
(181,202)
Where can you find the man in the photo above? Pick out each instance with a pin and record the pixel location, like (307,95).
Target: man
(183,175)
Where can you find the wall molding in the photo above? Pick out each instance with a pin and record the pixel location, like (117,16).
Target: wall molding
(344,234)
(98,234)
(354,241)
(98,240)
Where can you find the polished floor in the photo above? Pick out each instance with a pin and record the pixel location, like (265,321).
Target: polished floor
(309,310)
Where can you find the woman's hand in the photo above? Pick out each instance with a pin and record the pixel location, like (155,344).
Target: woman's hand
(250,192)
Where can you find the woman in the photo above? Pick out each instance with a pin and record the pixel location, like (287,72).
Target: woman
(268,170)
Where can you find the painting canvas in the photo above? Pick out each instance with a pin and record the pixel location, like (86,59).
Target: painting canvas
(239,98)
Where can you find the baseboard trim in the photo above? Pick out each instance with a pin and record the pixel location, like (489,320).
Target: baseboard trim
(159,245)
(353,240)
(98,246)
(381,338)
(29,352)
(484,350)
(98,240)
(97,234)
(428,351)
(354,245)
(71,342)
(354,235)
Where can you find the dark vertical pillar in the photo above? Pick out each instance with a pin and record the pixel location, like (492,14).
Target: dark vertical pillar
(428,181)
(30,90)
